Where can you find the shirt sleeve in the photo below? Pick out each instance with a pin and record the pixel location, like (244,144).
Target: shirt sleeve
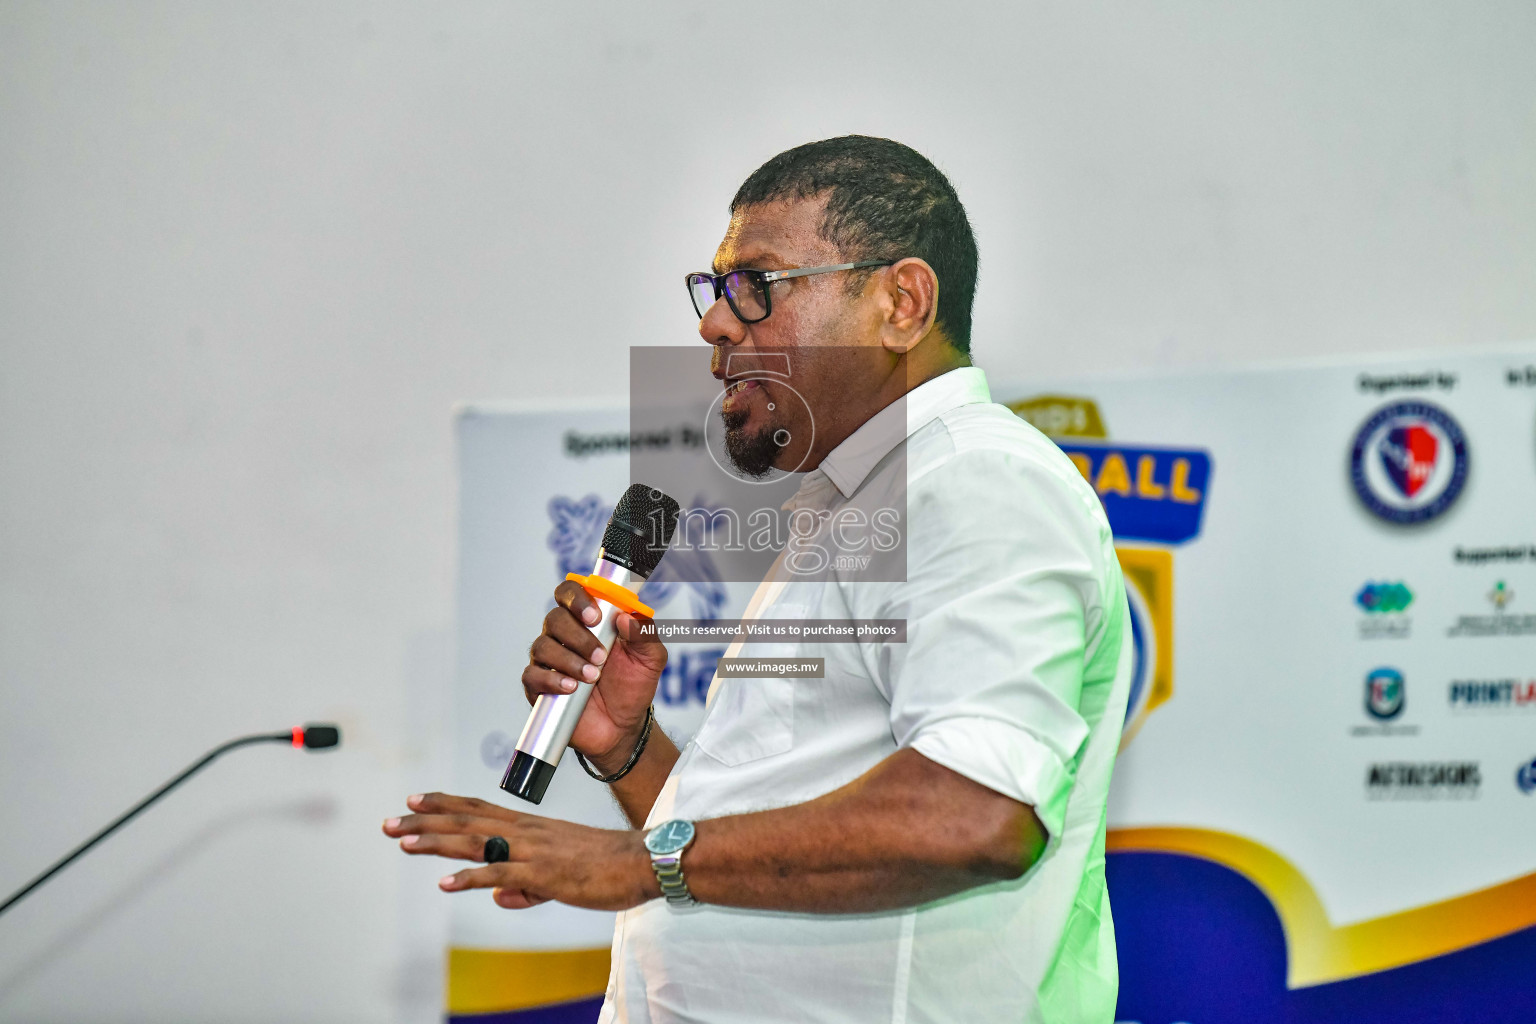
(1002,599)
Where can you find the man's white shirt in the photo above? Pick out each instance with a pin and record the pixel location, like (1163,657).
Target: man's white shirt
(1015,673)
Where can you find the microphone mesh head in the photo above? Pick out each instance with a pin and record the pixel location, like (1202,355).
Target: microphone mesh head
(640,529)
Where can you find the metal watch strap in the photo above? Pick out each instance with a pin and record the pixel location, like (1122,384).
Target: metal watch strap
(669,875)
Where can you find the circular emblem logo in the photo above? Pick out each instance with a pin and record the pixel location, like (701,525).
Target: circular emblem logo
(1525,778)
(1384,693)
(1409,462)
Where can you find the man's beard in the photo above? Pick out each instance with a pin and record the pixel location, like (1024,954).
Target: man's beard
(753,454)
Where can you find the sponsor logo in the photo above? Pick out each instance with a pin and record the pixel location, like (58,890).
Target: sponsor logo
(1423,780)
(1409,462)
(1525,777)
(1384,598)
(1386,695)
(1491,694)
(1384,604)
(1500,623)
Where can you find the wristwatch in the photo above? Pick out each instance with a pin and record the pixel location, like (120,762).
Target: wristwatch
(666,842)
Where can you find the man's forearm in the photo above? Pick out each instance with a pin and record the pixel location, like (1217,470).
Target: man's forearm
(907,832)
(636,792)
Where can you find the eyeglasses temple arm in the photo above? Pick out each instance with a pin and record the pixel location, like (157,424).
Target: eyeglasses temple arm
(769,276)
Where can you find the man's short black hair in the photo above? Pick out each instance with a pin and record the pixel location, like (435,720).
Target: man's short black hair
(885,201)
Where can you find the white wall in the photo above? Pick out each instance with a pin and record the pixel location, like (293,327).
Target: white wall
(251,255)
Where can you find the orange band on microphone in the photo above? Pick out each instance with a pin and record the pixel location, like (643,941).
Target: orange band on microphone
(298,736)
(605,589)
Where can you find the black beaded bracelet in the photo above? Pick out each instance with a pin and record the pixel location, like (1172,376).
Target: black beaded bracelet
(645,736)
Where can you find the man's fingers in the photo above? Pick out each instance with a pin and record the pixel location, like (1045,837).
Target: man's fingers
(459,847)
(567,632)
(569,595)
(516,899)
(545,652)
(538,681)
(508,878)
(447,803)
(442,824)
(640,640)
(491,876)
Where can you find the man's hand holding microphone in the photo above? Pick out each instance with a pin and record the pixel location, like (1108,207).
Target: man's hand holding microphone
(625,677)
(591,677)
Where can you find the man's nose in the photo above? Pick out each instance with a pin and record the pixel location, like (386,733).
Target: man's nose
(719,325)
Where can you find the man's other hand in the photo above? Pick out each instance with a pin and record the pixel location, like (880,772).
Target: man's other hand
(600,869)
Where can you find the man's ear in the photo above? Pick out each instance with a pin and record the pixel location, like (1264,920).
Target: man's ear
(912,303)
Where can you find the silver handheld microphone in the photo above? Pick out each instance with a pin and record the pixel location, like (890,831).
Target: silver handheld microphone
(637,536)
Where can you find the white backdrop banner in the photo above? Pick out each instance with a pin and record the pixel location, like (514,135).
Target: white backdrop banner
(1326,798)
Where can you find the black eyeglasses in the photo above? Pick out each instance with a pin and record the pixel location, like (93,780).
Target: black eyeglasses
(747,290)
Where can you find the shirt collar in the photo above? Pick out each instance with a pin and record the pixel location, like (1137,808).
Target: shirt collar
(850,463)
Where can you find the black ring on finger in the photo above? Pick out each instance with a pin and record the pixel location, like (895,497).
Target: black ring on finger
(496,850)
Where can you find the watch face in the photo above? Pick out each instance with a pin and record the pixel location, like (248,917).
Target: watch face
(669,836)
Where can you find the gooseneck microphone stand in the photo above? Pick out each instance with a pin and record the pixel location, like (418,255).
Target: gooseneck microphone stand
(313,737)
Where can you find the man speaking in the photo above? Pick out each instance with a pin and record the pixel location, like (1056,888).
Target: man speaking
(919,836)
